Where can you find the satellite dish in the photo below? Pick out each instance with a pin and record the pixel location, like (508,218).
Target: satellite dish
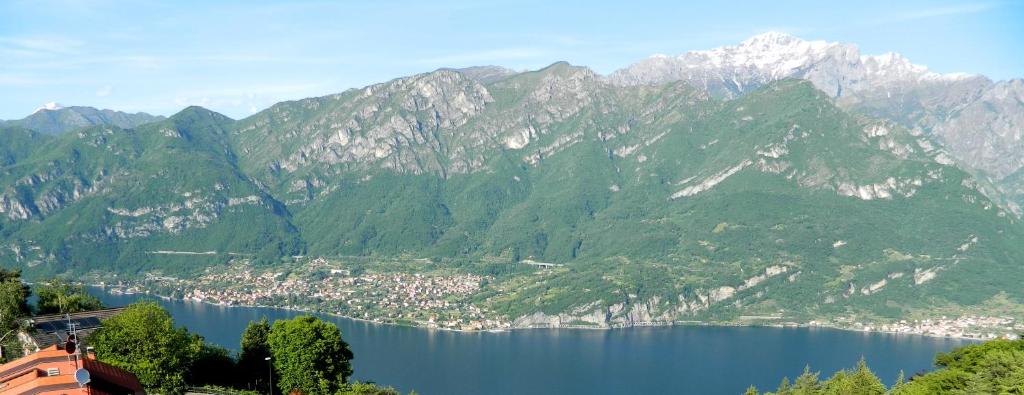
(82,377)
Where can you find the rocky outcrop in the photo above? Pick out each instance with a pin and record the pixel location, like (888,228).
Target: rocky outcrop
(399,125)
(13,208)
(711,181)
(652,311)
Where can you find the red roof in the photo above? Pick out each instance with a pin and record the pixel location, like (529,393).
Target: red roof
(52,371)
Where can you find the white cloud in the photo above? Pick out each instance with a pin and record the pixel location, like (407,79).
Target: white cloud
(24,80)
(934,12)
(40,45)
(104,91)
(251,91)
(71,62)
(248,99)
(484,57)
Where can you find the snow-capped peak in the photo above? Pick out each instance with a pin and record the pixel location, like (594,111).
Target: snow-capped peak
(893,66)
(774,54)
(51,106)
(771,38)
(836,68)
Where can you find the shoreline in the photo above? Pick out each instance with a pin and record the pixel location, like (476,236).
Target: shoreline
(657,324)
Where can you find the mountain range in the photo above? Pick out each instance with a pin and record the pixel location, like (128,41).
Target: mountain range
(56,119)
(980,121)
(778,175)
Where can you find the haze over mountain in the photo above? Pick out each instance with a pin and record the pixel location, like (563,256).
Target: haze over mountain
(53,118)
(713,183)
(980,121)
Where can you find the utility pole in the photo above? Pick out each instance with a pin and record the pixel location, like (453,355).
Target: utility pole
(270,375)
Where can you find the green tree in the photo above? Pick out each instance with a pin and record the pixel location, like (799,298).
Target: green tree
(839,384)
(900,379)
(252,363)
(860,381)
(942,381)
(901,382)
(1001,371)
(213,365)
(784,387)
(993,367)
(13,306)
(13,297)
(367,389)
(807,383)
(864,380)
(309,356)
(59,296)
(143,340)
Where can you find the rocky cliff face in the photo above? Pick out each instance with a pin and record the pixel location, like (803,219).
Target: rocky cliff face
(443,123)
(988,131)
(404,125)
(978,120)
(661,200)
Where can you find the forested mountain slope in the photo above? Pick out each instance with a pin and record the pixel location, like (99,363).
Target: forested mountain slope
(663,200)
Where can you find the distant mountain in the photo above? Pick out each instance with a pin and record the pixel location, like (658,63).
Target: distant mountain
(55,119)
(52,106)
(981,122)
(105,198)
(664,201)
(836,68)
(486,74)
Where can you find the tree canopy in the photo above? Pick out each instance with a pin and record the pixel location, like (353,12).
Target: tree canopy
(59,296)
(143,340)
(13,297)
(252,363)
(309,356)
(993,367)
(13,306)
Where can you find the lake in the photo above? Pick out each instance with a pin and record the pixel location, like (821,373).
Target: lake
(651,360)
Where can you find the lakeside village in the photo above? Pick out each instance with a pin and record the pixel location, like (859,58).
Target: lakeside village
(445,300)
(430,300)
(964,327)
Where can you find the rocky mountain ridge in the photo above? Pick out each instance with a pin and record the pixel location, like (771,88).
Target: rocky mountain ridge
(980,121)
(662,200)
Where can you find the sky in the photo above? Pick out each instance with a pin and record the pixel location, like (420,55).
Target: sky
(239,57)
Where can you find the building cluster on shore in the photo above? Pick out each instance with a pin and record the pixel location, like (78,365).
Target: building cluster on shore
(973,327)
(447,300)
(433,300)
(965,327)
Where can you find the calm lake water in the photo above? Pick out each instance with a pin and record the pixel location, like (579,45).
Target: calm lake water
(668,360)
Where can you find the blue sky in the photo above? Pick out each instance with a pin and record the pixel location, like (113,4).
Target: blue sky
(240,57)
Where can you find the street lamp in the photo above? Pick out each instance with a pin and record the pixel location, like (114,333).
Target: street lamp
(270,375)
